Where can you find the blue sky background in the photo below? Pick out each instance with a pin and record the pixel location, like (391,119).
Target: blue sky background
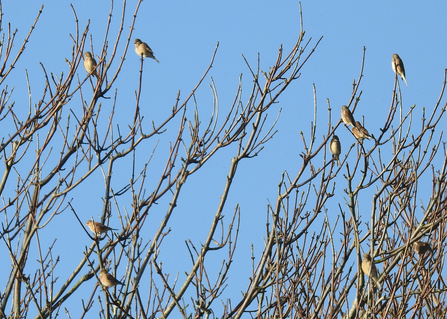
(183,35)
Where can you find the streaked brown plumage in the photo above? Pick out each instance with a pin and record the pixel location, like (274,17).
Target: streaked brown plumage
(335,148)
(347,116)
(97,228)
(370,269)
(142,49)
(398,67)
(361,131)
(107,279)
(358,135)
(90,64)
(421,248)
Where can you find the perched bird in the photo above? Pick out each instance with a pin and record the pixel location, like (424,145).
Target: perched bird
(142,49)
(98,228)
(108,280)
(358,135)
(90,64)
(335,148)
(421,248)
(398,67)
(347,116)
(370,269)
(360,132)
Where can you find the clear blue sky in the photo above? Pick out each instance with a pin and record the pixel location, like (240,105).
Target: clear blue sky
(183,35)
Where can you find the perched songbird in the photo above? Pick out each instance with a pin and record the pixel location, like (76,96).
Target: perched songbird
(358,135)
(335,148)
(142,49)
(347,116)
(90,64)
(360,132)
(398,66)
(421,248)
(98,228)
(107,279)
(370,269)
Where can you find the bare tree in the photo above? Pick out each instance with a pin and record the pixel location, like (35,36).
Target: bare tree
(317,232)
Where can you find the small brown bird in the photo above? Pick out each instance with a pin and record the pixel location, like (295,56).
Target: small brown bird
(98,228)
(398,67)
(347,116)
(360,132)
(90,64)
(370,269)
(142,49)
(358,135)
(421,248)
(108,280)
(335,148)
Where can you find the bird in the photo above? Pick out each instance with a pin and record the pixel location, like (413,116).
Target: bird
(421,248)
(108,280)
(97,228)
(90,64)
(398,67)
(335,148)
(370,269)
(142,49)
(360,132)
(358,135)
(347,116)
